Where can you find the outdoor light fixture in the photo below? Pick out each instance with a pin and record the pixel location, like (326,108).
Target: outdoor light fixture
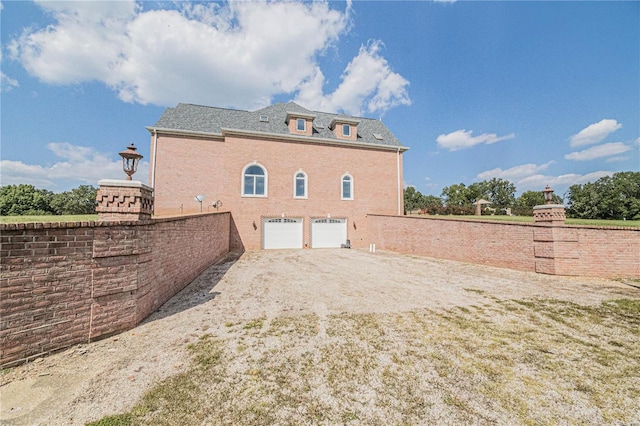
(548,194)
(200,199)
(217,204)
(130,160)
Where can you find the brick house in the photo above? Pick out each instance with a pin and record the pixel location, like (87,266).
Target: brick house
(291,178)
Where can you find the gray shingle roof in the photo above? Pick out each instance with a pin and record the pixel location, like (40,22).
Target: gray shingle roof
(205,119)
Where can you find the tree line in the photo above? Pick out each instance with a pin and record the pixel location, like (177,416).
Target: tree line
(610,197)
(27,200)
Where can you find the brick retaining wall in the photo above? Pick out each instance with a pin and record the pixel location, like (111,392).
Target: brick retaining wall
(68,283)
(609,252)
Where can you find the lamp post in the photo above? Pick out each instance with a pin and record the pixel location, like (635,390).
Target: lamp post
(130,160)
(548,194)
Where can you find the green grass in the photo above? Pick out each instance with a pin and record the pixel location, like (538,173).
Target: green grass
(533,361)
(569,221)
(49,218)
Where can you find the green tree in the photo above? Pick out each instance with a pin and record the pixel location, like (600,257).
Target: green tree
(412,199)
(17,200)
(80,200)
(500,192)
(529,199)
(610,197)
(431,201)
(457,195)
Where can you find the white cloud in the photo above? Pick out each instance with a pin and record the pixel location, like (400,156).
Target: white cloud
(616,159)
(367,84)
(594,133)
(80,165)
(530,177)
(461,139)
(538,181)
(514,173)
(604,150)
(238,54)
(7,83)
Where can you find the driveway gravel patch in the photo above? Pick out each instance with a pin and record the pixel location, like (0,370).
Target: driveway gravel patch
(336,336)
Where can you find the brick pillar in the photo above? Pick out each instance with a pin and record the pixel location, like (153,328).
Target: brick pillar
(549,214)
(126,200)
(555,246)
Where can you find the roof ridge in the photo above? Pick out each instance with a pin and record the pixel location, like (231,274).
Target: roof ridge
(211,107)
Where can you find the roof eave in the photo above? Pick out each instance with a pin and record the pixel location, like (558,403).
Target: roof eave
(340,142)
(178,132)
(225,131)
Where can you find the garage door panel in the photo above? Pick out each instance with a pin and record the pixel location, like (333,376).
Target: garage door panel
(328,233)
(282,233)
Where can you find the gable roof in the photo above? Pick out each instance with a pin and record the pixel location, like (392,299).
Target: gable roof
(205,120)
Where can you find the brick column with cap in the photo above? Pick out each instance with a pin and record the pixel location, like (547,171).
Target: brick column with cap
(549,214)
(124,200)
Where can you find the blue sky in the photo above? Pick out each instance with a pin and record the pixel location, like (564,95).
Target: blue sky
(533,92)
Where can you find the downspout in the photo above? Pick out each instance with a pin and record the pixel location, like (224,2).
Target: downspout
(399,184)
(153,159)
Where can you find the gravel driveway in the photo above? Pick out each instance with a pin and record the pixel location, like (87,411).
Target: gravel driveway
(90,381)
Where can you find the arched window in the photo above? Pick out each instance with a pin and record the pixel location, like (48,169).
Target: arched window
(347,187)
(300,184)
(254,181)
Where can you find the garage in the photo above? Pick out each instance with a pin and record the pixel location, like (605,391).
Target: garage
(282,233)
(328,232)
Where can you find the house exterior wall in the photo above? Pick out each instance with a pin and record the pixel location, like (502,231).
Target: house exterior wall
(185,167)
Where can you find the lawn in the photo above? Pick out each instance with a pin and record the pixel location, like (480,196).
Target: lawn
(49,218)
(529,361)
(529,219)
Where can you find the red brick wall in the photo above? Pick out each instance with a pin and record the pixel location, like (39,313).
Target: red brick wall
(67,283)
(503,245)
(186,167)
(560,250)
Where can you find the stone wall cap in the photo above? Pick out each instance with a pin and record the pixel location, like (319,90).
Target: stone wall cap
(549,206)
(123,183)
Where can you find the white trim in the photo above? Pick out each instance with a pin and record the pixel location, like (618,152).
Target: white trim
(312,139)
(308,116)
(351,180)
(306,185)
(400,192)
(266,181)
(154,155)
(295,138)
(343,120)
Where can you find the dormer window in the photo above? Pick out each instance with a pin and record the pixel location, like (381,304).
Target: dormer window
(345,127)
(300,123)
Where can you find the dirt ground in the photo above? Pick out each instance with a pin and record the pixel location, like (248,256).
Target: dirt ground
(87,382)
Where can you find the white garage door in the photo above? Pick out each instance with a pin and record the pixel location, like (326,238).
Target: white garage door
(282,233)
(328,232)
